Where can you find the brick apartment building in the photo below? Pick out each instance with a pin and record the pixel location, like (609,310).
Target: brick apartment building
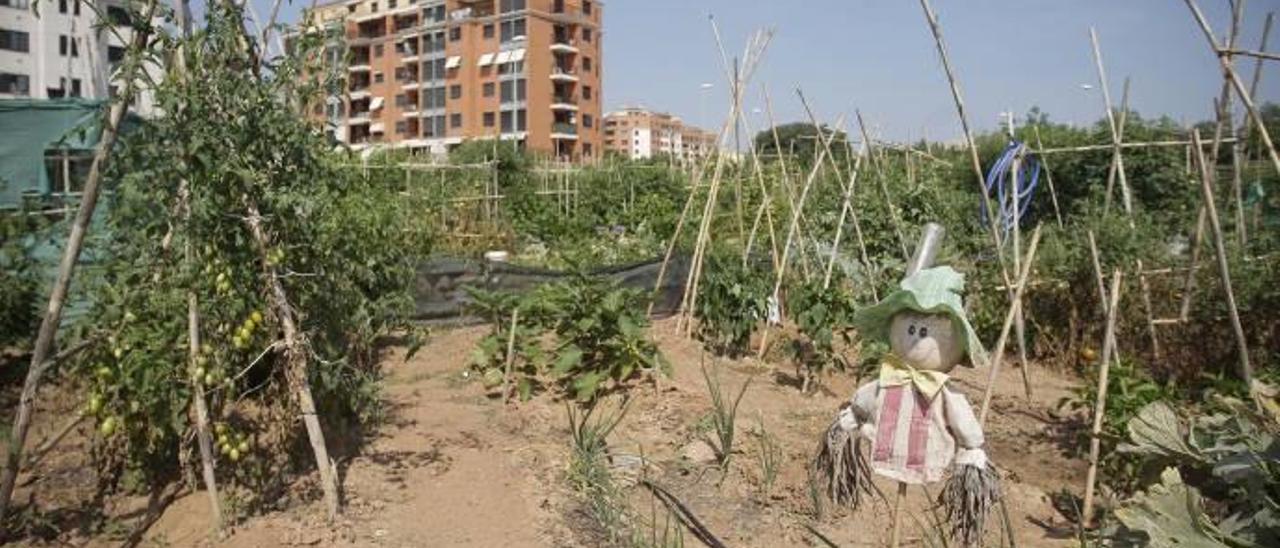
(637,134)
(430,74)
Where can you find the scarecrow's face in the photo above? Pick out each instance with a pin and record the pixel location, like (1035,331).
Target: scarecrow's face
(926,341)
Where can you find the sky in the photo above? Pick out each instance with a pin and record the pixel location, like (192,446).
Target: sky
(878,56)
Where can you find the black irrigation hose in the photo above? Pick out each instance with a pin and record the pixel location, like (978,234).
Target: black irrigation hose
(683,513)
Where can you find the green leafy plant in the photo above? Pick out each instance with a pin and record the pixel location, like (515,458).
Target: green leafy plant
(822,315)
(1221,478)
(601,335)
(528,359)
(732,301)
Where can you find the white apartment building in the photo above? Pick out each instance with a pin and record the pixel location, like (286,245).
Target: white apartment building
(637,133)
(60,52)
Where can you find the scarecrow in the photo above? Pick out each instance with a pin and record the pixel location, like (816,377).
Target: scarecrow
(917,428)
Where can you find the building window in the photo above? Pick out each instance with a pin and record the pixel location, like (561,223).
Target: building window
(16,84)
(455,91)
(373,7)
(586,92)
(391,4)
(586,7)
(488,31)
(586,34)
(377,77)
(402,127)
(508,91)
(402,101)
(488,89)
(455,34)
(62,6)
(513,28)
(14,40)
(512,5)
(521,120)
(489,119)
(75,87)
(62,45)
(586,120)
(508,121)
(115,54)
(377,50)
(455,120)
(15,4)
(351,8)
(586,64)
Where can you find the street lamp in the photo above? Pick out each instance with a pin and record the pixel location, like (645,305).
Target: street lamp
(704,89)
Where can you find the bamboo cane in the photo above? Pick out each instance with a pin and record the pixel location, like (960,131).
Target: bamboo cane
(1116,161)
(1048,175)
(998,356)
(66,269)
(791,232)
(1099,409)
(1125,145)
(884,190)
(1242,346)
(1239,86)
(296,358)
(511,355)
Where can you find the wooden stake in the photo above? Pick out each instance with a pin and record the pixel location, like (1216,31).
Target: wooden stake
(895,536)
(1048,175)
(1242,346)
(1229,70)
(511,355)
(884,190)
(66,269)
(295,352)
(791,231)
(1099,408)
(1116,135)
(998,356)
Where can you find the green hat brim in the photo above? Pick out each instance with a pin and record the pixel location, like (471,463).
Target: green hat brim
(930,291)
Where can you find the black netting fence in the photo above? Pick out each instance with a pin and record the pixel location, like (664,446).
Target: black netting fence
(441,295)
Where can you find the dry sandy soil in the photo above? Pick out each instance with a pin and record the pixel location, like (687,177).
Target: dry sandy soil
(453,467)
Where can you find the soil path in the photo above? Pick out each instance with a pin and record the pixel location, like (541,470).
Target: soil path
(452,467)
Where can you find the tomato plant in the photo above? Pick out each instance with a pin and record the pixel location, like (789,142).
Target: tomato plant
(732,301)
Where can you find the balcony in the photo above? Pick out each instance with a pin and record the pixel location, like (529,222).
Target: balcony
(360,66)
(563,75)
(564,103)
(564,131)
(563,45)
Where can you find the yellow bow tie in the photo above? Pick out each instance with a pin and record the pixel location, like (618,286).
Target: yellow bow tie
(895,372)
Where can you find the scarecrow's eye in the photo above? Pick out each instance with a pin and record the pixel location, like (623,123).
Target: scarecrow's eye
(924,332)
(911,330)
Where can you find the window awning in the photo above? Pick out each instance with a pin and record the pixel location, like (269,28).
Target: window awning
(375,104)
(504,57)
(375,128)
(453,62)
(517,55)
(486,60)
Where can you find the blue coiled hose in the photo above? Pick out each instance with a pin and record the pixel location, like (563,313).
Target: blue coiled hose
(999,180)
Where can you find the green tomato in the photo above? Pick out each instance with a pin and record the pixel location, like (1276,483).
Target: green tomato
(108,427)
(104,372)
(129,317)
(233,454)
(95,404)
(220,428)
(209,380)
(243,447)
(224,449)
(199,372)
(134,406)
(256,316)
(117,352)
(222,438)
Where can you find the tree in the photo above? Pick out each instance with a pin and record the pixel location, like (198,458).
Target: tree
(801,140)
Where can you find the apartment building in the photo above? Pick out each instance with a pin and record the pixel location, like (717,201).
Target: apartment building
(430,74)
(62,53)
(637,133)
